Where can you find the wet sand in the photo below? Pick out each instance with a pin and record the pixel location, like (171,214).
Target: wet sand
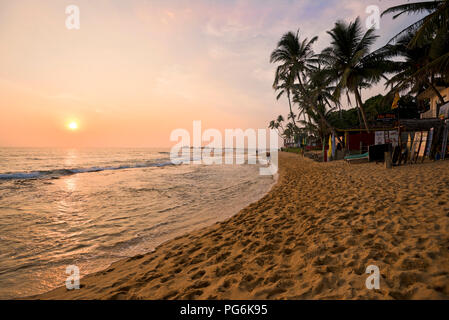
(311,237)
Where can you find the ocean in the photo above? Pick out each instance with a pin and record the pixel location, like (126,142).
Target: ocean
(92,207)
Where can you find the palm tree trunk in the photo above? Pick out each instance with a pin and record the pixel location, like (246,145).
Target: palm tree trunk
(362,111)
(323,149)
(331,128)
(279,134)
(290,105)
(301,87)
(358,116)
(322,117)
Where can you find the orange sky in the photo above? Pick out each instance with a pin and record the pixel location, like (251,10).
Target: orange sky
(136,70)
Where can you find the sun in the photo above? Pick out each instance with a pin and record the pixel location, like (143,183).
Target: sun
(73,125)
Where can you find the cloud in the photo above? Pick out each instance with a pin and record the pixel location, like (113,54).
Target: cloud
(176,80)
(220,52)
(134,56)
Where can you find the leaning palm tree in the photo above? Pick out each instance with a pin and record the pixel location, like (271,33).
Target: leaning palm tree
(303,103)
(292,130)
(277,125)
(439,54)
(432,28)
(349,63)
(320,97)
(283,84)
(318,127)
(435,22)
(409,73)
(288,133)
(297,59)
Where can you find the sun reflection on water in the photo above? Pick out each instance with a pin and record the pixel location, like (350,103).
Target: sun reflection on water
(70,184)
(71,158)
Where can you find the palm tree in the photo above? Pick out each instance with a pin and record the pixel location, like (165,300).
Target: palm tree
(303,104)
(435,23)
(317,127)
(349,63)
(296,59)
(316,96)
(291,132)
(283,84)
(277,125)
(409,75)
(432,31)
(439,55)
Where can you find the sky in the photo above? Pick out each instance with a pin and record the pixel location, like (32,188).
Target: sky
(136,70)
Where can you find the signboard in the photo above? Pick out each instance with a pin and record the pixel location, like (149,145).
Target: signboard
(379,137)
(383,137)
(386,116)
(393,137)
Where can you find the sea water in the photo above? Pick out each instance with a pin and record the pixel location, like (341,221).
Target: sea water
(91,207)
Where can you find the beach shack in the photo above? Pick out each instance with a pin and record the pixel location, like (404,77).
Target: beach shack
(408,140)
(434,101)
(357,141)
(436,111)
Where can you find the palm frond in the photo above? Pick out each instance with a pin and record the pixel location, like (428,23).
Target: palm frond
(413,8)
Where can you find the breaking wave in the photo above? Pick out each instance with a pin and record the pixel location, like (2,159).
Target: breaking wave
(56,173)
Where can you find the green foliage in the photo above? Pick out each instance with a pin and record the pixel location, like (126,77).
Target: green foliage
(415,60)
(349,63)
(408,109)
(431,32)
(292,150)
(344,119)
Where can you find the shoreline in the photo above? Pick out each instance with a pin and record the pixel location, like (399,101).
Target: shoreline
(310,237)
(168,202)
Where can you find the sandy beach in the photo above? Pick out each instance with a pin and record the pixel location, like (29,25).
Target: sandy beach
(311,237)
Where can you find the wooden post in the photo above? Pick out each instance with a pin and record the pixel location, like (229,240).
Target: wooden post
(388,160)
